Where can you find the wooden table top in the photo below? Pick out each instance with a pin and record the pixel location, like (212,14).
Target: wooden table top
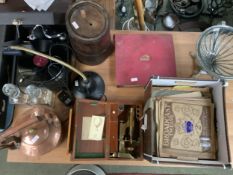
(184,43)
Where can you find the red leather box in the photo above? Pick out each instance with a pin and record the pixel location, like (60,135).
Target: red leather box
(140,56)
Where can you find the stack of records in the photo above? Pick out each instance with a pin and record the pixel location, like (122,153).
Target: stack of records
(185,123)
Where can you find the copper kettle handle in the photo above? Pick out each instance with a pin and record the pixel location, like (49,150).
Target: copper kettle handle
(13,130)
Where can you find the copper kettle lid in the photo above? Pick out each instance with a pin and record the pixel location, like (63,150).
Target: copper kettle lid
(41,136)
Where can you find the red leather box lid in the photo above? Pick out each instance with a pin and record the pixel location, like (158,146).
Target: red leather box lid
(139,56)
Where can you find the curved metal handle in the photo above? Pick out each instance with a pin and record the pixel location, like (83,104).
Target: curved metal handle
(13,130)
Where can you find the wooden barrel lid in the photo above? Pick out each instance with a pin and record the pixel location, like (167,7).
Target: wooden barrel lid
(87,20)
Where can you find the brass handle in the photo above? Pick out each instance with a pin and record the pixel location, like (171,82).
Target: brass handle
(140,12)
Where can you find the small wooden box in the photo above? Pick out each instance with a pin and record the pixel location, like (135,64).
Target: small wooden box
(115,113)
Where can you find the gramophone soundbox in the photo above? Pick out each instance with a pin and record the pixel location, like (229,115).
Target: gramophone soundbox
(39,130)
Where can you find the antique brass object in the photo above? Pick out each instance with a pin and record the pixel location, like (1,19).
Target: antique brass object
(126,133)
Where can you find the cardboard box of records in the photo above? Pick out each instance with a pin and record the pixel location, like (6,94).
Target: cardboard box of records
(184,122)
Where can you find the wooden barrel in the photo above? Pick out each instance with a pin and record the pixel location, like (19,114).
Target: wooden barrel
(88,24)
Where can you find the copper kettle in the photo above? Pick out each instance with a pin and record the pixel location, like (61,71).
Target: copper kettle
(38,132)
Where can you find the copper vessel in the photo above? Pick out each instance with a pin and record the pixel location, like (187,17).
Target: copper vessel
(39,131)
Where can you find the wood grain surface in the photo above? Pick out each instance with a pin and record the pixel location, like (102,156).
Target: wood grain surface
(183,43)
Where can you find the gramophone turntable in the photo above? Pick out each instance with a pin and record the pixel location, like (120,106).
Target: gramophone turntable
(38,132)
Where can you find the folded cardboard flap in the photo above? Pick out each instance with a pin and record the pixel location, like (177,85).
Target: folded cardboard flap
(187,158)
(184,83)
(222,144)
